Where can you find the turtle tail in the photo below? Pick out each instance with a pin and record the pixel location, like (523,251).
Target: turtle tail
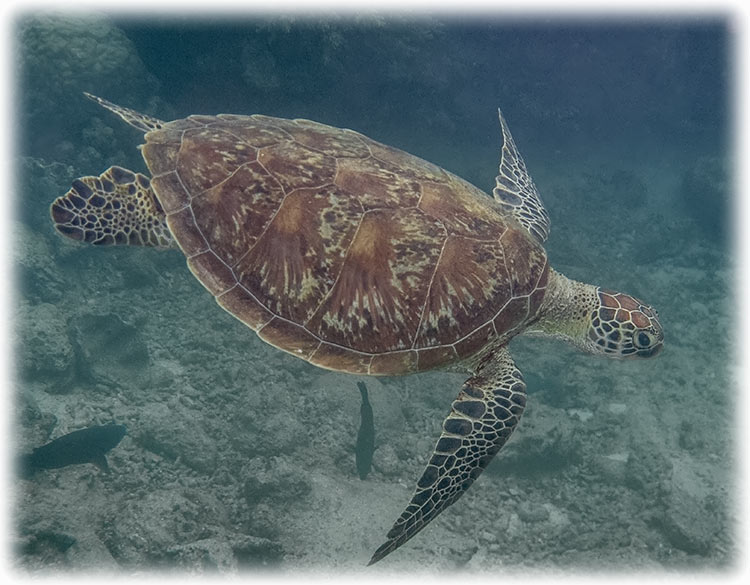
(118,207)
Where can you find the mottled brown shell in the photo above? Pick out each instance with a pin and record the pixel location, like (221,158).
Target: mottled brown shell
(345,252)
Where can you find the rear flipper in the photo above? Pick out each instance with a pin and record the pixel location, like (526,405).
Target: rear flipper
(116,208)
(482,418)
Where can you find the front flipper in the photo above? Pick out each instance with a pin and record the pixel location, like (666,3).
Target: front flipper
(480,421)
(516,192)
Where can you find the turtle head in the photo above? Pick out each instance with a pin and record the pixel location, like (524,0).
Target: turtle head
(623,326)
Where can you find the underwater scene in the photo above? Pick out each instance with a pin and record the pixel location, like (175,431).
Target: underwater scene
(424,292)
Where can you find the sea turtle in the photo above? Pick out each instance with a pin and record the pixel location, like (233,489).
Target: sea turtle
(358,257)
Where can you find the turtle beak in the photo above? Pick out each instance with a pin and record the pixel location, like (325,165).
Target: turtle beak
(650,351)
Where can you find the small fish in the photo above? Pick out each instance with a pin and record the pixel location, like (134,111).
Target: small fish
(366,435)
(83,446)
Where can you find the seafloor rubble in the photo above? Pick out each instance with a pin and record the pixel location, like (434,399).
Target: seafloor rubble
(240,456)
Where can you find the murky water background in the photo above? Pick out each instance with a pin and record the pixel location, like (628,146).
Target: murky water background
(240,456)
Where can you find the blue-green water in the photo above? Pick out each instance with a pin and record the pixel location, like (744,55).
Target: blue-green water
(240,456)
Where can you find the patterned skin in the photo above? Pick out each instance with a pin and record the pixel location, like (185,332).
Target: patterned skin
(622,325)
(359,257)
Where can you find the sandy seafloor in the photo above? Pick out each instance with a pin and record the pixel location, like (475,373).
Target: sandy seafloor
(240,457)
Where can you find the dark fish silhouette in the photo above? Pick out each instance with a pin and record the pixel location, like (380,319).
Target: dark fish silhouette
(84,446)
(366,436)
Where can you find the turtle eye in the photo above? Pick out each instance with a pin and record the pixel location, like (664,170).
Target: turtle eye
(643,339)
